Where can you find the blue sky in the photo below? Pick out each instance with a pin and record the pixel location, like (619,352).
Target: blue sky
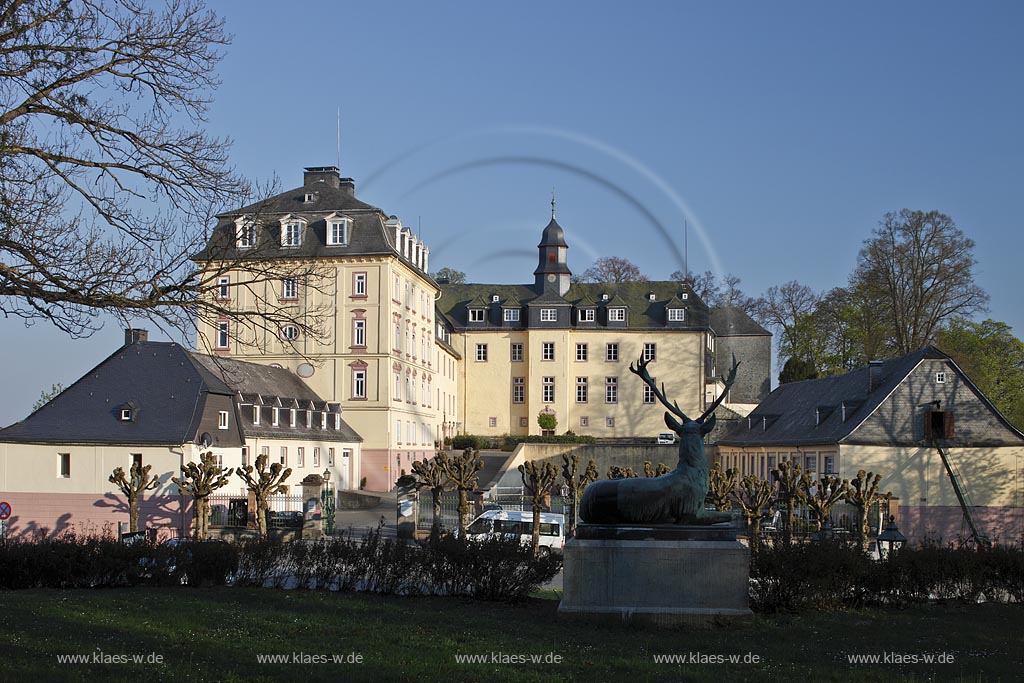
(779,132)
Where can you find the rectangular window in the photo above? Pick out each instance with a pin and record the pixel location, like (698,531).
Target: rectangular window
(650,352)
(300,456)
(316,456)
(581,389)
(276,420)
(255,415)
(359,384)
(616,315)
(64,465)
(511,315)
(830,464)
(516,352)
(137,460)
(609,422)
(330,457)
(676,315)
(611,353)
(398,431)
(337,233)
(223,288)
(523,422)
(492,422)
(586,315)
(548,390)
(481,353)
(547,351)
(245,456)
(289,288)
(811,463)
(222,334)
(649,392)
(548,315)
(222,419)
(246,235)
(291,235)
(518,389)
(359,284)
(476,315)
(581,352)
(584,421)
(940,377)
(265,451)
(358,333)
(283,458)
(611,389)
(292,414)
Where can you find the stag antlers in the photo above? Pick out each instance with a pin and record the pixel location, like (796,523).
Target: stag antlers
(640,370)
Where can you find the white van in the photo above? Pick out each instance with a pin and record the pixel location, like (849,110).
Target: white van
(666,437)
(520,523)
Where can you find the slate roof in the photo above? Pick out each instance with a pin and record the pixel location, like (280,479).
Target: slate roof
(643,313)
(733,321)
(787,415)
(160,378)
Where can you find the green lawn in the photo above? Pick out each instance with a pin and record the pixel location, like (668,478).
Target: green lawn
(216,634)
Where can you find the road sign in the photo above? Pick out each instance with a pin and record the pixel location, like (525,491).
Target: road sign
(5,510)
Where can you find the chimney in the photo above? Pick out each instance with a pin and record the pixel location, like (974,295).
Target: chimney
(318,176)
(874,368)
(135,336)
(348,186)
(426,256)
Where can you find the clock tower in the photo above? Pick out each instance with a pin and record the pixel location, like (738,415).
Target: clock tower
(552,274)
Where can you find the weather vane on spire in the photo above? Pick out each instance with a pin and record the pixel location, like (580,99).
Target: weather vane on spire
(552,203)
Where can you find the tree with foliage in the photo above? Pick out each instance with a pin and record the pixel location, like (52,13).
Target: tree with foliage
(200,480)
(921,266)
(538,479)
(450,276)
(788,310)
(650,471)
(791,491)
(431,475)
(617,472)
(994,360)
(462,471)
(547,421)
(721,485)
(613,269)
(264,482)
(575,482)
(797,370)
(754,496)
(47,396)
(823,495)
(862,493)
(133,485)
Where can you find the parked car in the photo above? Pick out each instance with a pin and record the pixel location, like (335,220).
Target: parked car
(520,523)
(666,437)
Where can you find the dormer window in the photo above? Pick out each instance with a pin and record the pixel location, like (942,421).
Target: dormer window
(586,315)
(126,414)
(309,198)
(495,298)
(549,315)
(337,230)
(245,232)
(476,315)
(291,231)
(616,315)
(511,315)
(676,315)
(650,297)
(604,297)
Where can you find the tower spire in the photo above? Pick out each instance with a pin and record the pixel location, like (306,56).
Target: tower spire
(552,203)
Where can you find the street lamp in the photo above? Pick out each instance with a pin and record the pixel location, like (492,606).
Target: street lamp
(327,503)
(892,537)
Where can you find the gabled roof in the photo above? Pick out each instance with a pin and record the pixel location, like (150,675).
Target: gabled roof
(160,378)
(812,411)
(733,321)
(253,378)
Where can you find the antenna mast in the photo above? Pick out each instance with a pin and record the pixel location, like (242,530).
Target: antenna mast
(339,138)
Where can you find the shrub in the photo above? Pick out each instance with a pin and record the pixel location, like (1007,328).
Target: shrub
(474,441)
(512,440)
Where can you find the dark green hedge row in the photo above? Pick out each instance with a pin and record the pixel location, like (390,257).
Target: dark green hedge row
(508,442)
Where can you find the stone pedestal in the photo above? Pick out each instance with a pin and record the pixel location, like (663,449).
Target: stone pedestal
(312,513)
(663,574)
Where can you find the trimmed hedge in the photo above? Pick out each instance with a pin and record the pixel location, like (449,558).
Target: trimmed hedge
(474,441)
(508,442)
(514,440)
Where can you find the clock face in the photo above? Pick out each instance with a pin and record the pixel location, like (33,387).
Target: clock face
(551,278)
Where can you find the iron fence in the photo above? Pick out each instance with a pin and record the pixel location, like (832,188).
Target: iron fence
(285,511)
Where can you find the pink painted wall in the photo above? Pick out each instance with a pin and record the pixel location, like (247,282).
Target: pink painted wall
(375,460)
(90,513)
(946,523)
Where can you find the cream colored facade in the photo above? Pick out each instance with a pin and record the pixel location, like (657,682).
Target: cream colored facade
(614,404)
(305,457)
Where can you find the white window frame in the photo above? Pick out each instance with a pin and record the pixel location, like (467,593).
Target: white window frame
(611,390)
(547,351)
(492,422)
(510,315)
(359,332)
(289,332)
(586,315)
(549,315)
(617,315)
(223,419)
(940,377)
(64,465)
(283,456)
(289,288)
(547,390)
(582,353)
(676,315)
(611,352)
(650,351)
(477,315)
(649,392)
(515,352)
(223,288)
(359,284)
(344,225)
(275,419)
(481,353)
(316,456)
(330,456)
(291,232)
(359,383)
(300,457)
(223,334)
(519,390)
(126,414)
(245,233)
(582,389)
(255,415)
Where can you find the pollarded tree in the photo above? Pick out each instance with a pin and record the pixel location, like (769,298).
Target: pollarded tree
(538,479)
(823,495)
(264,482)
(650,471)
(755,497)
(133,485)
(862,493)
(431,475)
(575,482)
(721,484)
(200,480)
(617,472)
(790,492)
(462,472)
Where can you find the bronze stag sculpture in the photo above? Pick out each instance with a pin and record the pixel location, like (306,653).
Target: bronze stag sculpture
(673,498)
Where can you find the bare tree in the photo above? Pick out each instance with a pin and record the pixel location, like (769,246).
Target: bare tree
(721,485)
(823,495)
(755,496)
(263,482)
(133,485)
(705,285)
(613,269)
(108,181)
(576,481)
(538,479)
(431,475)
(200,480)
(863,493)
(462,471)
(921,266)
